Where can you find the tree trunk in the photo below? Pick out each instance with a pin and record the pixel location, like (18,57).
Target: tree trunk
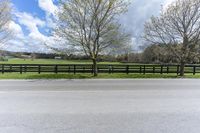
(182,69)
(95,70)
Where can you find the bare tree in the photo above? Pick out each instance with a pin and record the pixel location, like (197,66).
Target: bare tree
(5,17)
(178,27)
(158,54)
(121,43)
(90,25)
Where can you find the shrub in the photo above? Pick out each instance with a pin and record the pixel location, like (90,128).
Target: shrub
(3,58)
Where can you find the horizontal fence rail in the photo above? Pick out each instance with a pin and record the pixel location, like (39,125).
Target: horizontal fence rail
(103,68)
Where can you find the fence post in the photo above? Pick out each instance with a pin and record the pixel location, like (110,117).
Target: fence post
(39,69)
(194,70)
(167,69)
(127,69)
(56,69)
(2,69)
(154,69)
(109,69)
(20,69)
(10,68)
(140,69)
(69,69)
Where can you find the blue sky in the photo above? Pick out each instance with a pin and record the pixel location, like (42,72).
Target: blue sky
(33,20)
(29,6)
(31,25)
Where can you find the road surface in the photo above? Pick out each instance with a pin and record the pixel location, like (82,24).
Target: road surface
(100,106)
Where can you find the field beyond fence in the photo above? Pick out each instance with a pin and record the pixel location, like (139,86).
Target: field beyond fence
(102,68)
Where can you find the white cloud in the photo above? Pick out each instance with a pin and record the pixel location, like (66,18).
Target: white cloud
(50,9)
(139,12)
(16,28)
(48,6)
(16,42)
(31,39)
(31,42)
(32,23)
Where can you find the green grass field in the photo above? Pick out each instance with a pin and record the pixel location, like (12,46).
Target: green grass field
(50,61)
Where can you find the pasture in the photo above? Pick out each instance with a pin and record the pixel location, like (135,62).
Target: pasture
(50,61)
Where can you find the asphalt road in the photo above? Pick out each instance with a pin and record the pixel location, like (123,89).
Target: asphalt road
(100,106)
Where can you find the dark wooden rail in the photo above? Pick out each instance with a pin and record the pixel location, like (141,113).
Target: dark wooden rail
(88,68)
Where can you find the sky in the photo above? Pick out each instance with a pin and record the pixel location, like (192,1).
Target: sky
(33,20)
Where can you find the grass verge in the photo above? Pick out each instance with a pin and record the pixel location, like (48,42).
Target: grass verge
(89,76)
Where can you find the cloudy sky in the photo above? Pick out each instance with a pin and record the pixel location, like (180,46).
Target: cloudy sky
(33,21)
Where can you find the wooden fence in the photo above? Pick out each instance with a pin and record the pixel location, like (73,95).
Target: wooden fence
(88,68)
